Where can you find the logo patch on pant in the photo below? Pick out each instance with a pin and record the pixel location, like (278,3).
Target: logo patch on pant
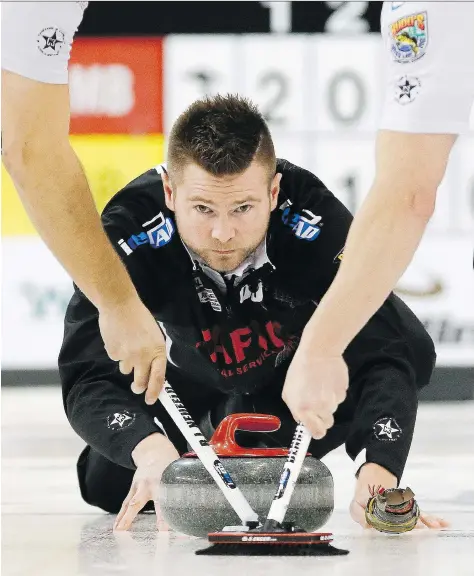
(409,37)
(387,429)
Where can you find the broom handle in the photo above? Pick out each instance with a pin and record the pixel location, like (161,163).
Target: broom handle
(206,454)
(291,471)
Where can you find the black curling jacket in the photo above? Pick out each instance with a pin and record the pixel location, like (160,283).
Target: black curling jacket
(237,335)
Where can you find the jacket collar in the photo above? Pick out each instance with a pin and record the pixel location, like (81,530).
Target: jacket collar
(257,260)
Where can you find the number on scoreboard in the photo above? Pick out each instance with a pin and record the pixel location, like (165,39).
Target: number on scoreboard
(274,77)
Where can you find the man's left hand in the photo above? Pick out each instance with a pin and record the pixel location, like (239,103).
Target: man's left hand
(372,474)
(357,511)
(151,456)
(314,387)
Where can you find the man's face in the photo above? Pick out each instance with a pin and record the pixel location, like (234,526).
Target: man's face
(222,218)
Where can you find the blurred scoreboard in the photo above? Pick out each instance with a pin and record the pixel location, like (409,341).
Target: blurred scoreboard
(321,94)
(228,17)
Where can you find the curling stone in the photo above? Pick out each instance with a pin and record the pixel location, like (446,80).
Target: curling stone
(192,503)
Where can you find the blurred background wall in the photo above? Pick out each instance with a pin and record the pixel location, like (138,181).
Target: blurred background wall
(315,70)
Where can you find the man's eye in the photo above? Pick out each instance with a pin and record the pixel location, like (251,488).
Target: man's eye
(244,208)
(202,209)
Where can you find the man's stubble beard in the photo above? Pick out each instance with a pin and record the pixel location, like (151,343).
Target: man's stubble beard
(243,252)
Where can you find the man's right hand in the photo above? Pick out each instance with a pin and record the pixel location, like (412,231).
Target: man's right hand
(151,456)
(133,338)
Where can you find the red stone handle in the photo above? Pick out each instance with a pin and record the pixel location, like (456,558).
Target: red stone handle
(224,443)
(223,440)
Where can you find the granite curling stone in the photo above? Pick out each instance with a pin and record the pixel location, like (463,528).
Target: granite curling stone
(191,502)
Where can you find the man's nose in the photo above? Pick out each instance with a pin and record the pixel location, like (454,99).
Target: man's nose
(223,230)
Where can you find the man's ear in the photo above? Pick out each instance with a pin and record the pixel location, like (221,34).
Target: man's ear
(169,196)
(275,190)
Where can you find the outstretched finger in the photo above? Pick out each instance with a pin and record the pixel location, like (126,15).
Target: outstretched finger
(156,377)
(433,522)
(161,525)
(123,509)
(132,509)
